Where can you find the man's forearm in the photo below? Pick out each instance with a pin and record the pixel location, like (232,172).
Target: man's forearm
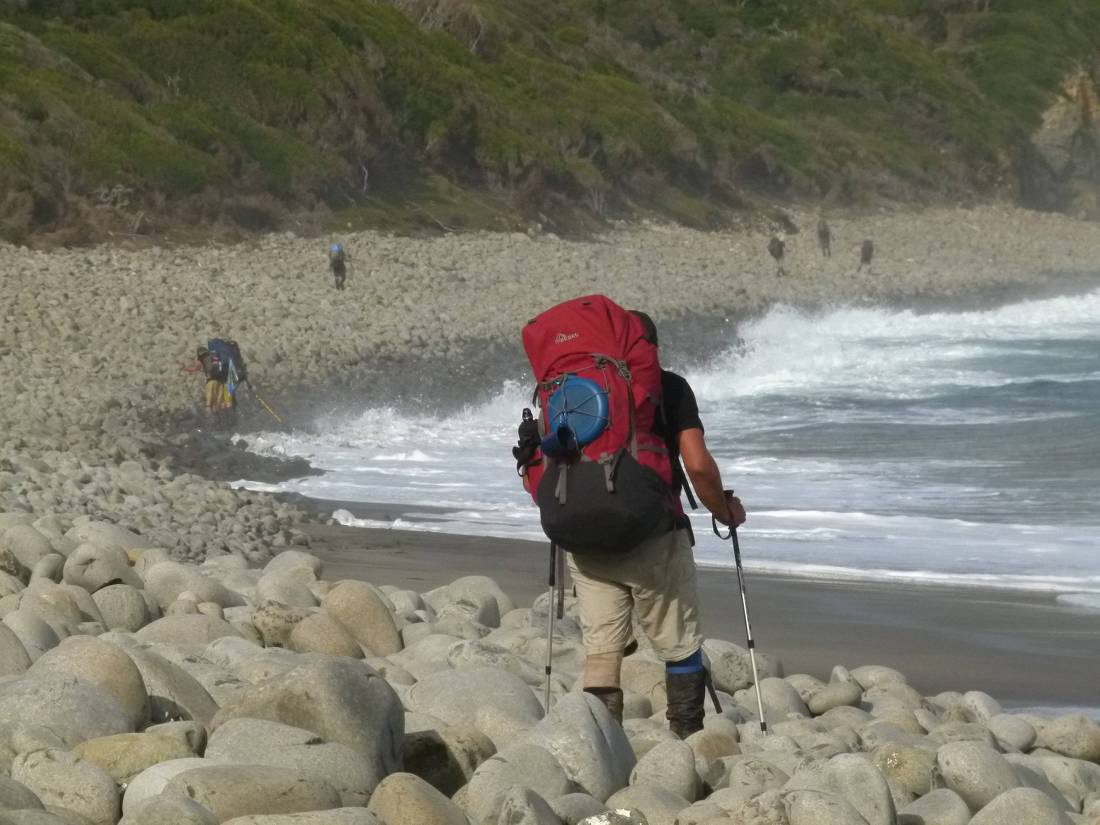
(707,481)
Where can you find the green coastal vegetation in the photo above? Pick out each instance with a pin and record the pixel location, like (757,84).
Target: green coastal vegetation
(143,117)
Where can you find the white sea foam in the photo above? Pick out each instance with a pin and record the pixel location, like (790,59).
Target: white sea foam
(1087,601)
(947,448)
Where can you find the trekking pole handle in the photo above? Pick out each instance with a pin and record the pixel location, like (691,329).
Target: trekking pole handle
(732,534)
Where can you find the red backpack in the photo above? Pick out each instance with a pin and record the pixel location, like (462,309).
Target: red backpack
(609,489)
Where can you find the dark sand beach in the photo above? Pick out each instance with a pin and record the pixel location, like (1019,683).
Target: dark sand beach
(1021,647)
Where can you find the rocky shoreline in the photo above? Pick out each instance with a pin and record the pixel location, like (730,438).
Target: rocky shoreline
(168,656)
(92,339)
(139,690)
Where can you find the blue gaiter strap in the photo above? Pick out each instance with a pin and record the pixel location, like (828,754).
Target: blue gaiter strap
(692,664)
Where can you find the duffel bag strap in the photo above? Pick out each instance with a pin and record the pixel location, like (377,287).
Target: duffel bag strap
(611,469)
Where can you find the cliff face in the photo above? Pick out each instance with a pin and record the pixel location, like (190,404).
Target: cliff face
(1068,147)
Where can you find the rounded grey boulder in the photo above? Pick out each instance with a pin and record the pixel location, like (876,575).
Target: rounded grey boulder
(588,743)
(1075,736)
(291,559)
(365,613)
(169,579)
(905,766)
(940,807)
(60,778)
(834,695)
(404,799)
(275,622)
(122,607)
(25,543)
(853,778)
(174,694)
(35,635)
(975,772)
(875,675)
(574,807)
(522,806)
(105,534)
(290,587)
(151,782)
(17,796)
(339,699)
(1021,806)
(13,656)
(811,807)
(262,742)
(522,764)
(781,701)
(92,566)
(456,697)
(194,628)
(71,708)
(669,765)
(445,757)
(659,805)
(1012,732)
(336,816)
(104,666)
(125,755)
(230,791)
(320,633)
(169,810)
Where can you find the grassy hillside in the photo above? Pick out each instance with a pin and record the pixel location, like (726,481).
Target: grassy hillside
(132,117)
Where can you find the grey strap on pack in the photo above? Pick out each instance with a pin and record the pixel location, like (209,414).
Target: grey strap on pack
(559,490)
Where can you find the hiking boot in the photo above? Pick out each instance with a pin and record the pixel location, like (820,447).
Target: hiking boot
(686,692)
(612,699)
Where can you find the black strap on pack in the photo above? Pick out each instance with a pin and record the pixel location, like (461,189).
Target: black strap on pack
(677,467)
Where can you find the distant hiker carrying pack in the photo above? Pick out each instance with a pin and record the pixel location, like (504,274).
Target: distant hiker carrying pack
(230,364)
(224,367)
(338,263)
(777,248)
(602,463)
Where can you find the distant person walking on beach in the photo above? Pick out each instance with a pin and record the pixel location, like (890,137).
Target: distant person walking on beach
(647,568)
(825,238)
(217,395)
(866,255)
(338,264)
(777,248)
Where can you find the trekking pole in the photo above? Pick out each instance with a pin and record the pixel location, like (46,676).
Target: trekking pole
(748,624)
(263,403)
(550,611)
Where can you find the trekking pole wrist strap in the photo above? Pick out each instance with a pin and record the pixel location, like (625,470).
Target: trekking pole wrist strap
(714,521)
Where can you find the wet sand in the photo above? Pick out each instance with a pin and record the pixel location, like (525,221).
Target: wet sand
(1021,647)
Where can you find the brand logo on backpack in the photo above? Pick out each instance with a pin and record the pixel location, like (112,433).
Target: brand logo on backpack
(564,338)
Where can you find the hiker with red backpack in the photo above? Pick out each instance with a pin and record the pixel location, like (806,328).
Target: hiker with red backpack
(606,475)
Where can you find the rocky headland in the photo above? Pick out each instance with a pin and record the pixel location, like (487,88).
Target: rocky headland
(168,656)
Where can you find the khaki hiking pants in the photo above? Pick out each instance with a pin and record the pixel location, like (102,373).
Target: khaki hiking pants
(657,580)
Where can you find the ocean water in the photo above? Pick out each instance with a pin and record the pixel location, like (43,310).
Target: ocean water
(941,447)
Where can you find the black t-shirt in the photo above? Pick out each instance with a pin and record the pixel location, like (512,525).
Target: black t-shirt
(679,411)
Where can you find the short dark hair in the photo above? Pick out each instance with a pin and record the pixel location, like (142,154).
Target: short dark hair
(650,328)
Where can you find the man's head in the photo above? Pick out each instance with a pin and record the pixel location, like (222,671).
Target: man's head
(647,325)
(202,352)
